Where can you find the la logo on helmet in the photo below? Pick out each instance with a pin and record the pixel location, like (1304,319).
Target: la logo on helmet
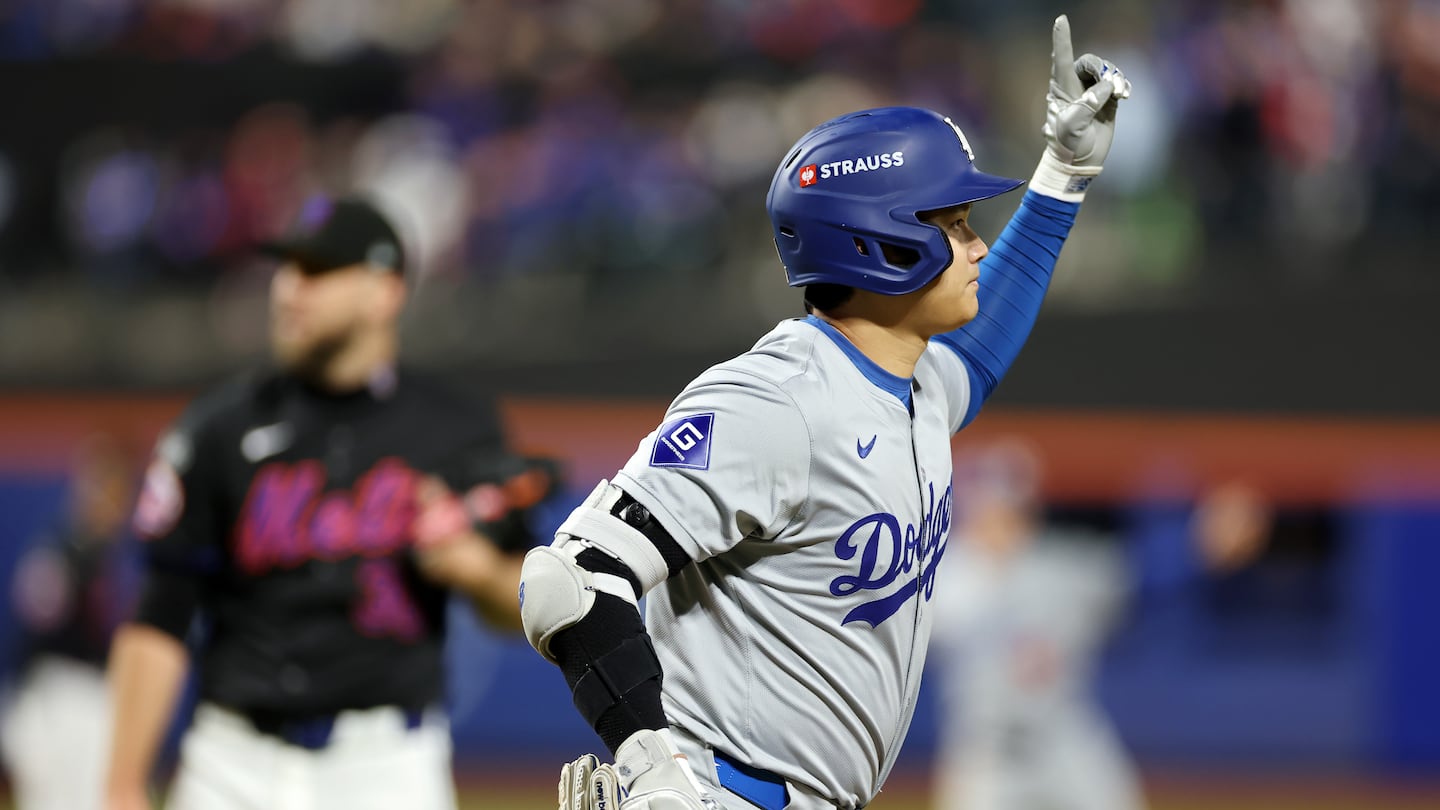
(965,144)
(808,175)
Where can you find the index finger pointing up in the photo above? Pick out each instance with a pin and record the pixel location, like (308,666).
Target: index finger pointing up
(1062,61)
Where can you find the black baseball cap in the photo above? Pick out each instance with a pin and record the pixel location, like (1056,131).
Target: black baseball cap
(334,233)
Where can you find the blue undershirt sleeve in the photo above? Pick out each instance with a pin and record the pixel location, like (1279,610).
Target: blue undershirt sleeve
(1013,280)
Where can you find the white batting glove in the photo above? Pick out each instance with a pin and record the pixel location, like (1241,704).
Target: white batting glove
(649,774)
(1079,118)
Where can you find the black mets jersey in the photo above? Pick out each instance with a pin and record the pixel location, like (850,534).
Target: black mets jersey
(281,515)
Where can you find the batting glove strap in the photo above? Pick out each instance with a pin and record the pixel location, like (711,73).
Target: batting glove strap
(654,775)
(1059,180)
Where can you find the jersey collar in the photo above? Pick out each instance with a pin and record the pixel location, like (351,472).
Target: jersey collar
(378,387)
(896,386)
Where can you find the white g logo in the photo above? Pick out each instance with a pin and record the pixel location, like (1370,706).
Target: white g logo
(686,436)
(684,442)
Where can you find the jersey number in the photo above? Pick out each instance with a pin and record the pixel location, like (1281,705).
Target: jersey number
(385,608)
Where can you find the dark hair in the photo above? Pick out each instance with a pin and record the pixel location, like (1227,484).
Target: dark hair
(826,297)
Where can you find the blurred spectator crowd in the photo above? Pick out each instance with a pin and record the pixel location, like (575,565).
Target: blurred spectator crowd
(625,143)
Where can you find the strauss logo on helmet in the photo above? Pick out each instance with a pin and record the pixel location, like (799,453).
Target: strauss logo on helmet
(837,168)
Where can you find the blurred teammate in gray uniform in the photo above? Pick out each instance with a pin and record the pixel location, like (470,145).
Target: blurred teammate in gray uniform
(1023,610)
(788,515)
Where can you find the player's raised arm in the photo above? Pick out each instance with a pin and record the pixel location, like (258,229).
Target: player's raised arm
(1079,127)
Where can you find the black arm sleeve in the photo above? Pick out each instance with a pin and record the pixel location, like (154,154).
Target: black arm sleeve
(611,639)
(607,657)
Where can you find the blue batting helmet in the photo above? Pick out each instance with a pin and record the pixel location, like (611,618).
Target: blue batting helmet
(859,181)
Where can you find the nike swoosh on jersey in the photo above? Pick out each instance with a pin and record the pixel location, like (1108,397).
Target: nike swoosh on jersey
(864,449)
(265,441)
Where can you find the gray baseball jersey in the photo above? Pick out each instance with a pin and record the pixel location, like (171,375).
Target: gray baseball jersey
(816,508)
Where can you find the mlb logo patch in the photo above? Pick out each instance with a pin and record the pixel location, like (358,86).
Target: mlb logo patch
(161,501)
(809,174)
(684,442)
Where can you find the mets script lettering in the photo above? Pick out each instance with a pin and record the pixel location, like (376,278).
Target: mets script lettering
(289,519)
(871,537)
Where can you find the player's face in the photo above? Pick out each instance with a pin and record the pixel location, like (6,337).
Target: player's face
(952,300)
(316,316)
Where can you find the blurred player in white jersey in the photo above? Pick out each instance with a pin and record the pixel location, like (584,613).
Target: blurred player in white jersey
(788,516)
(1023,611)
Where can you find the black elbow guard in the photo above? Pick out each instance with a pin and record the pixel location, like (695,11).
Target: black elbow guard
(612,670)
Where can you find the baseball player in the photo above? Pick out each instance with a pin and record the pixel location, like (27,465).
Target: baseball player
(1023,610)
(305,515)
(70,590)
(787,517)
